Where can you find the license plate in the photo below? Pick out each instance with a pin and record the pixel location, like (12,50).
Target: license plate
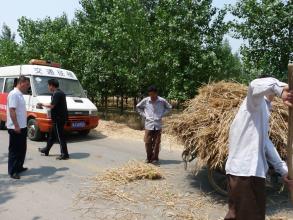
(78,124)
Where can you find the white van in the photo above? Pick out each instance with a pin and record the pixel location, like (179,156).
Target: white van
(82,112)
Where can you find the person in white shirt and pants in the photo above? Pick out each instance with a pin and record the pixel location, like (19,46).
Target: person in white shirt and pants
(153,108)
(17,127)
(251,150)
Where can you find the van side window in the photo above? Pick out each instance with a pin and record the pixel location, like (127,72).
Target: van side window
(9,85)
(1,84)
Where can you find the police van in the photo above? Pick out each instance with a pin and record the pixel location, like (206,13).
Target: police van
(82,112)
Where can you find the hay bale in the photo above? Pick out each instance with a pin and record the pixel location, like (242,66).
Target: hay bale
(204,125)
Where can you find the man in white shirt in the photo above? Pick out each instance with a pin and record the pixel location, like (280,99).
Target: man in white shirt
(17,127)
(153,109)
(250,150)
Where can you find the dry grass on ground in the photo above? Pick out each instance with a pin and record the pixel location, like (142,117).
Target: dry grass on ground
(134,191)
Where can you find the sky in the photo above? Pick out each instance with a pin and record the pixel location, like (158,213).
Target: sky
(11,10)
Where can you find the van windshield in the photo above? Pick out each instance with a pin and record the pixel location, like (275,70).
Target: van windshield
(68,86)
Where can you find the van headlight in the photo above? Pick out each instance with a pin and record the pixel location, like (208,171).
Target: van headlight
(93,113)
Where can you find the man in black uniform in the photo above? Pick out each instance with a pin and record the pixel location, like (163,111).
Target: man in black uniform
(59,116)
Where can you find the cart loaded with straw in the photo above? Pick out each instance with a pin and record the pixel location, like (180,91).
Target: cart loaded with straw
(204,125)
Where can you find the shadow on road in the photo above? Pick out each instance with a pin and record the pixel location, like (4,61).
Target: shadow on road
(168,162)
(76,137)
(44,173)
(79,155)
(93,135)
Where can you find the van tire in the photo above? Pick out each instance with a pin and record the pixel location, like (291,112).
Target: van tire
(33,131)
(84,132)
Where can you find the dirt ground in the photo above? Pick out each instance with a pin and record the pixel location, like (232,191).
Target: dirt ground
(122,131)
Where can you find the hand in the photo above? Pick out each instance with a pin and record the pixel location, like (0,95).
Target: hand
(287,96)
(17,129)
(288,182)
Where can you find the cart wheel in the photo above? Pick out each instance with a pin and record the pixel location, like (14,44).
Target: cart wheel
(185,158)
(218,180)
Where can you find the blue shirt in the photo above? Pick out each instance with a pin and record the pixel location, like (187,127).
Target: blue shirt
(153,112)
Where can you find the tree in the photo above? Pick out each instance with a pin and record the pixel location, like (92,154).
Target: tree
(188,45)
(117,49)
(49,39)
(6,33)
(10,52)
(266,27)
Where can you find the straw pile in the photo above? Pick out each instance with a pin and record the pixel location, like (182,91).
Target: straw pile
(130,192)
(107,184)
(132,171)
(204,125)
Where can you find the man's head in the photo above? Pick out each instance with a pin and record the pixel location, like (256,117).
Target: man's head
(23,84)
(53,84)
(153,93)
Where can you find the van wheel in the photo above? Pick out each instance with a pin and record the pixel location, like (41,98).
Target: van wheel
(33,131)
(84,132)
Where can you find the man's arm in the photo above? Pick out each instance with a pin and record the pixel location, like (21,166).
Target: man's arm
(55,101)
(274,159)
(269,86)
(279,165)
(50,106)
(140,108)
(14,119)
(266,86)
(168,107)
(288,182)
(12,104)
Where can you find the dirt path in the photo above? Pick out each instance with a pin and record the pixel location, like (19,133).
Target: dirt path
(122,131)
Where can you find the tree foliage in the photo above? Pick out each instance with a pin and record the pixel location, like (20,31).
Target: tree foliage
(120,47)
(266,27)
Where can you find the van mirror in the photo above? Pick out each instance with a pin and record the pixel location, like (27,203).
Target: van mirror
(85,92)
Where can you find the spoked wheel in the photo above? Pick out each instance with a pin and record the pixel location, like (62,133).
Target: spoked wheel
(187,157)
(218,180)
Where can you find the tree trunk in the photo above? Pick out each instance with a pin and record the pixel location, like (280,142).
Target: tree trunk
(134,103)
(106,106)
(121,104)
(117,102)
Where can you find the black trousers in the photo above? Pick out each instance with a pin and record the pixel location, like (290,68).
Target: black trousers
(57,134)
(152,139)
(17,150)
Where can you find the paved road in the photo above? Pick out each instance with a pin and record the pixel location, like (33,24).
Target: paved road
(47,190)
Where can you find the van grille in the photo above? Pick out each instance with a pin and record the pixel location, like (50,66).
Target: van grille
(78,113)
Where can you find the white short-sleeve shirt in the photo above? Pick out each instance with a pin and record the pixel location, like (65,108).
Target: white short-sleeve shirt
(15,100)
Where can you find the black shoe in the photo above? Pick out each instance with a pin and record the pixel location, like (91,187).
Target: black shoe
(44,152)
(156,162)
(23,169)
(147,161)
(62,157)
(15,176)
